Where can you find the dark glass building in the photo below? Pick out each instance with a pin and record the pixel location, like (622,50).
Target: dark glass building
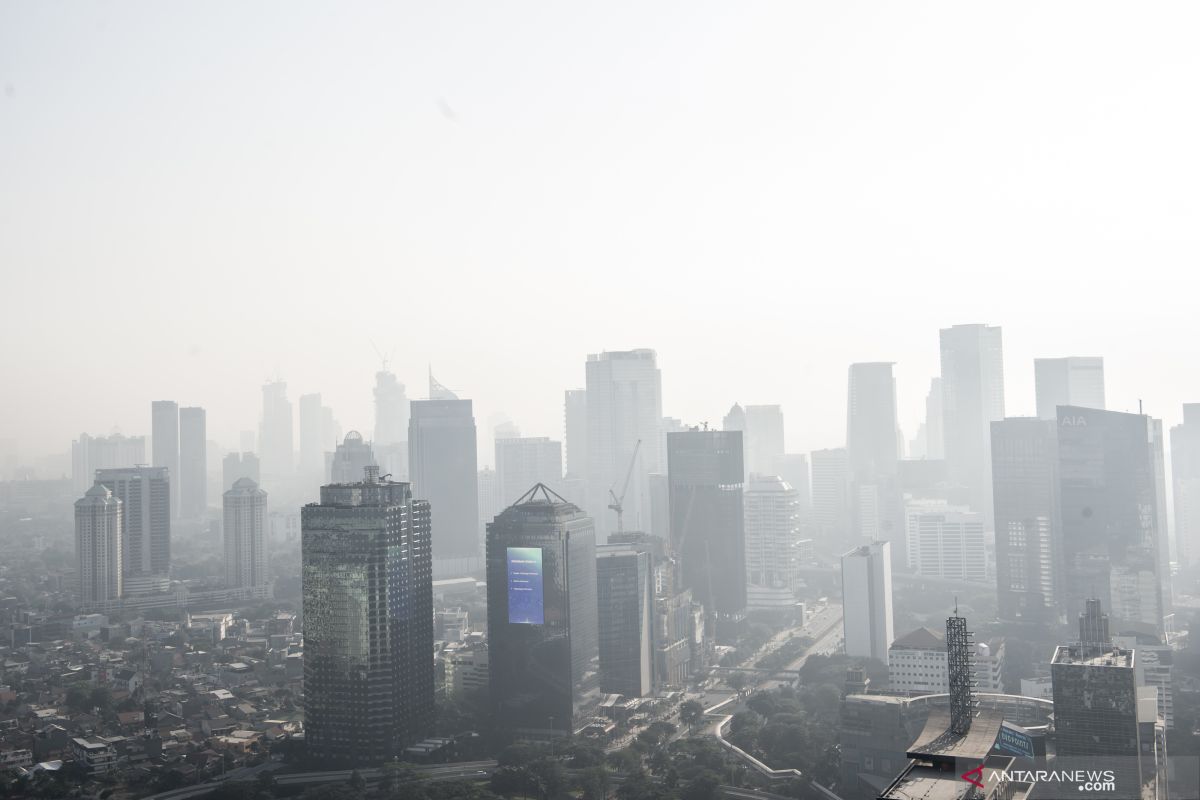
(625,593)
(704,469)
(1025,488)
(542,622)
(368,621)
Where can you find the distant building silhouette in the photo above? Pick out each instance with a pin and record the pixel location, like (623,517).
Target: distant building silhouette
(275,438)
(1073,381)
(90,453)
(872,452)
(1185,473)
(831,495)
(238,465)
(164,439)
(525,461)
(193,463)
(576,431)
(972,398)
(350,458)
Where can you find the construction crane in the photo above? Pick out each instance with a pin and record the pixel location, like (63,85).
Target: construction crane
(618,503)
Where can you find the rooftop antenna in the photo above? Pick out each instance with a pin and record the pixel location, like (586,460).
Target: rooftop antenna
(1139,406)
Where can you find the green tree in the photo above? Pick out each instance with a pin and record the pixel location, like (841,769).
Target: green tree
(357,781)
(704,786)
(691,712)
(77,699)
(736,681)
(594,783)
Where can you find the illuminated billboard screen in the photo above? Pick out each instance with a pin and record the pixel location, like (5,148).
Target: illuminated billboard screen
(525,586)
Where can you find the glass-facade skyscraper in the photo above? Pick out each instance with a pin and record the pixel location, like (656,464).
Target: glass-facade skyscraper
(542,616)
(368,630)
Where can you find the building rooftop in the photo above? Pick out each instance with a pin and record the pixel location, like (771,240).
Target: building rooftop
(922,639)
(1075,654)
(937,742)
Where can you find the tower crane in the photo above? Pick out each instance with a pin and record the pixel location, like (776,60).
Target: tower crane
(618,503)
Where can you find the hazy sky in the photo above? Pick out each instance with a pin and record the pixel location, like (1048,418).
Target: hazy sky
(197,196)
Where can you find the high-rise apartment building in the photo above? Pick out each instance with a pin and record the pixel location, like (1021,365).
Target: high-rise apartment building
(164,441)
(867,624)
(945,541)
(245,530)
(625,597)
(972,398)
(238,465)
(1185,474)
(350,459)
(145,495)
(1073,381)
(368,631)
(704,469)
(793,468)
(193,463)
(90,453)
(831,495)
(98,546)
(1028,525)
(1114,528)
(543,630)
(522,462)
(575,428)
(624,407)
(275,436)
(443,466)
(772,509)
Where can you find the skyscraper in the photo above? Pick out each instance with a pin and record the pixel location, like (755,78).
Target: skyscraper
(935,443)
(625,597)
(704,469)
(872,454)
(246,556)
(762,438)
(972,398)
(90,453)
(145,495)
(368,635)
(193,463)
(831,495)
(1185,473)
(867,601)
(772,509)
(793,468)
(1073,381)
(350,458)
(275,437)
(164,439)
(391,410)
(1028,524)
(235,465)
(576,430)
(1113,526)
(542,615)
(525,461)
(312,443)
(443,466)
(624,406)
(98,546)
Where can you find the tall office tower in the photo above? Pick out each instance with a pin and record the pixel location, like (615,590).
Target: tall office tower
(98,546)
(443,467)
(831,495)
(1028,523)
(164,439)
(145,495)
(625,598)
(238,465)
(867,601)
(543,637)
(793,468)
(312,443)
(391,424)
(350,458)
(972,398)
(525,461)
(763,438)
(90,453)
(735,419)
(1113,526)
(368,634)
(872,452)
(490,501)
(1185,474)
(275,438)
(624,407)
(660,505)
(576,430)
(772,509)
(704,470)
(946,541)
(245,507)
(935,442)
(1096,711)
(1073,381)
(193,463)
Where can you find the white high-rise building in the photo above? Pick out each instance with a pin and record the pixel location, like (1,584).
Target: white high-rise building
(772,509)
(1071,381)
(524,462)
(98,546)
(145,495)
(246,556)
(972,399)
(945,541)
(164,443)
(276,437)
(917,664)
(763,438)
(90,453)
(624,406)
(831,494)
(867,625)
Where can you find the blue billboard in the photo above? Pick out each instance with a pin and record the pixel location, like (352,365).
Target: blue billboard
(525,586)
